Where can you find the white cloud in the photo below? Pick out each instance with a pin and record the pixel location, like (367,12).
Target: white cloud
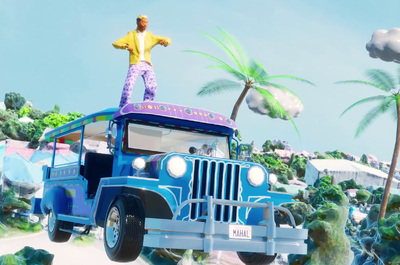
(257,103)
(385,45)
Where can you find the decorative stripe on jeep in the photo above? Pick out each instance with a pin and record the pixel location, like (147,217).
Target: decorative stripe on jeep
(79,124)
(155,161)
(175,111)
(64,172)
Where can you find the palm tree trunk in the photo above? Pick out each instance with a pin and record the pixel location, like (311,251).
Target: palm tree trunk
(385,197)
(239,102)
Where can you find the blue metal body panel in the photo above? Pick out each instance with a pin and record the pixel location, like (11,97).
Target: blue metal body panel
(193,211)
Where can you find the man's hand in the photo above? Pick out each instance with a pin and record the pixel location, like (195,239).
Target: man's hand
(163,42)
(129,48)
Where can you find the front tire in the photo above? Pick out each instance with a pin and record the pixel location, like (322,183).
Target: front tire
(124,228)
(53,229)
(250,258)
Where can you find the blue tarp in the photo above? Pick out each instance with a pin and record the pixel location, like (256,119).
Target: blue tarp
(39,156)
(59,159)
(17,168)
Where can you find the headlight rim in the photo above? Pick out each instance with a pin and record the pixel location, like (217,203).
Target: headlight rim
(252,179)
(170,167)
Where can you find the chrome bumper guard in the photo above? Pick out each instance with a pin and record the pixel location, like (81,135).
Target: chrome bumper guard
(208,235)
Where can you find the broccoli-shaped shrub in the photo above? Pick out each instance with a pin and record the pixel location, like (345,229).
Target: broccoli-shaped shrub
(337,154)
(327,243)
(329,194)
(380,241)
(28,256)
(323,182)
(11,202)
(298,164)
(323,156)
(269,146)
(299,211)
(349,184)
(6,115)
(14,101)
(17,130)
(30,112)
(364,197)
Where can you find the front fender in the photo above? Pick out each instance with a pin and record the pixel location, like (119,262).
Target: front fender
(156,202)
(55,200)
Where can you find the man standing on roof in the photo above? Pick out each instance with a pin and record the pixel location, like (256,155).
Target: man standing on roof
(139,44)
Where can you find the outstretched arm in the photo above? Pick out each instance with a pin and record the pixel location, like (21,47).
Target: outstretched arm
(162,40)
(122,43)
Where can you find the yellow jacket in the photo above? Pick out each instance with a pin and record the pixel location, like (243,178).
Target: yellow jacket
(132,40)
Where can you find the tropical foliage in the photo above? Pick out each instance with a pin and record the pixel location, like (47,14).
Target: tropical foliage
(385,82)
(248,74)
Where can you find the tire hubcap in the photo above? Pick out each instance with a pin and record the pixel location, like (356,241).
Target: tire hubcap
(52,221)
(112,228)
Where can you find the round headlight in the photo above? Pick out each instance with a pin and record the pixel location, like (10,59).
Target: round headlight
(138,163)
(272,179)
(255,176)
(176,166)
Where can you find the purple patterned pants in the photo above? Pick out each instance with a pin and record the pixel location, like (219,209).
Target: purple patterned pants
(146,71)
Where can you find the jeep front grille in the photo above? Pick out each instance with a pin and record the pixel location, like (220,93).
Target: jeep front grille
(217,179)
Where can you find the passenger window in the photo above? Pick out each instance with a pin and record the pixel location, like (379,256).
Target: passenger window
(68,146)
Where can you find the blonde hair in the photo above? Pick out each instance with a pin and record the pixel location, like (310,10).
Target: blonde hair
(140,17)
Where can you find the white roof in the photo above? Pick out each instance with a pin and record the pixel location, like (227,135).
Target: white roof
(345,165)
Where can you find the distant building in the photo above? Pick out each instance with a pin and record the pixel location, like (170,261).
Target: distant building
(344,170)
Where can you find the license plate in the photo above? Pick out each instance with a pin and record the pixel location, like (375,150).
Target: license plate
(240,231)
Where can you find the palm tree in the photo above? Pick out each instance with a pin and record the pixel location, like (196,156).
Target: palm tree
(249,73)
(384,82)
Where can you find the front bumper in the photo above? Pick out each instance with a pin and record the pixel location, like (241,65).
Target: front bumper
(207,235)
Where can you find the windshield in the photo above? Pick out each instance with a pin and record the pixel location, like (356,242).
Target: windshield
(153,140)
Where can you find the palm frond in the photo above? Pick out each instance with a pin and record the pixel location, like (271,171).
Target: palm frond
(222,65)
(275,107)
(228,50)
(218,86)
(287,77)
(372,115)
(230,70)
(283,88)
(394,111)
(382,78)
(365,100)
(363,82)
(234,46)
(257,71)
(215,59)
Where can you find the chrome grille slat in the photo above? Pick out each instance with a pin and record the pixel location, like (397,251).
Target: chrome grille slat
(217,179)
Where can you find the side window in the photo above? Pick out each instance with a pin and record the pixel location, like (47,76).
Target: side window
(95,138)
(68,147)
(67,151)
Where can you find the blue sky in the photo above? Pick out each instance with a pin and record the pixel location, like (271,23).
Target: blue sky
(60,52)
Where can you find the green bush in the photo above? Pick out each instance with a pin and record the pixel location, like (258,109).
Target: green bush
(349,184)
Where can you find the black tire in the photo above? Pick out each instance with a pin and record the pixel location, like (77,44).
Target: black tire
(124,228)
(250,258)
(53,229)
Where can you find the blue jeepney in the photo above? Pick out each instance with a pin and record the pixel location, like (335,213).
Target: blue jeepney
(161,175)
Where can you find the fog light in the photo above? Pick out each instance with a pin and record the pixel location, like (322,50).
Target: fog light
(138,163)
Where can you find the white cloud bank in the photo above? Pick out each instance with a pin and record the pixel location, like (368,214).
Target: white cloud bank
(257,103)
(385,45)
